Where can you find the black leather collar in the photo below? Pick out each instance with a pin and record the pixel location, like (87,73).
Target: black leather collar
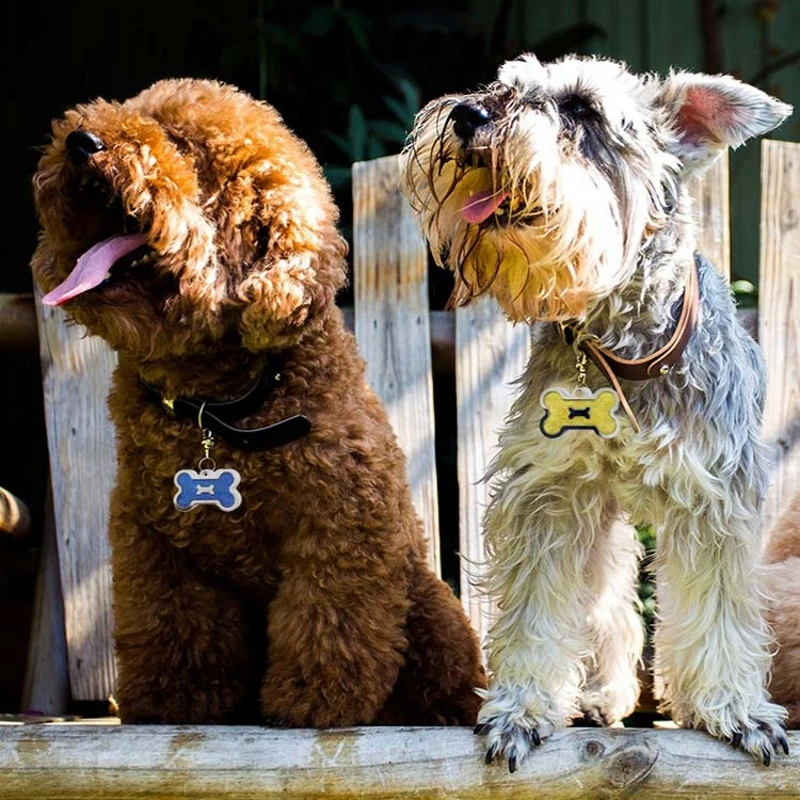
(217,416)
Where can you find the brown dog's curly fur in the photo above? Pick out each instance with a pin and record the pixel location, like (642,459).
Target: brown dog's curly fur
(313,599)
(782,553)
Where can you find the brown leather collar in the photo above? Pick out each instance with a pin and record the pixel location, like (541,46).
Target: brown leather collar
(666,357)
(654,365)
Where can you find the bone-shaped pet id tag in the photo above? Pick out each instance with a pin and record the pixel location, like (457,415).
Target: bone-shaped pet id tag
(582,409)
(207,487)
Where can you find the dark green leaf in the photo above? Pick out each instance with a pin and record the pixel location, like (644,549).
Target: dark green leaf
(388,131)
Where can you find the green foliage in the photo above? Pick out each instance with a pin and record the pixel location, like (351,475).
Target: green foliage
(366,139)
(647,589)
(745,293)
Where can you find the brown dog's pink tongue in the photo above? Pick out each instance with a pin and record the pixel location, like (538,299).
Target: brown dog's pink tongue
(482,205)
(93,267)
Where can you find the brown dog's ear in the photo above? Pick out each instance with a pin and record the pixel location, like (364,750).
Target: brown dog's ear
(299,265)
(709,113)
(283,295)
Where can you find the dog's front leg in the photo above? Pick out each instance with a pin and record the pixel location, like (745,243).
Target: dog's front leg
(540,528)
(712,642)
(181,644)
(336,641)
(616,625)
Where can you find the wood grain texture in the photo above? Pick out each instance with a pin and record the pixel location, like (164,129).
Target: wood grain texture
(779,317)
(490,354)
(76,372)
(392,326)
(81,761)
(710,193)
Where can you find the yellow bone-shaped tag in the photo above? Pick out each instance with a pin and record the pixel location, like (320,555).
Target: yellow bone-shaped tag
(582,410)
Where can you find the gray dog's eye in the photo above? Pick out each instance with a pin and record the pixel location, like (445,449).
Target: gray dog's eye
(575,107)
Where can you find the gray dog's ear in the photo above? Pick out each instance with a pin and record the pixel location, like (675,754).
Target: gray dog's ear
(711,112)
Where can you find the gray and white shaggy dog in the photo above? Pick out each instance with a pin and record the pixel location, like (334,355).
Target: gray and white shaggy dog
(561,190)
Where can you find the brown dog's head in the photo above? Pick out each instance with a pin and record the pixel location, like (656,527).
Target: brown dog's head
(185,220)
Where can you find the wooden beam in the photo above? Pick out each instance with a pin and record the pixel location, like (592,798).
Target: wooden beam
(15,519)
(76,373)
(392,325)
(779,317)
(490,355)
(69,762)
(712,213)
(17,324)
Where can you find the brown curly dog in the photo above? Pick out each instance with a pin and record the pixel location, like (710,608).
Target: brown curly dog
(190,229)
(782,553)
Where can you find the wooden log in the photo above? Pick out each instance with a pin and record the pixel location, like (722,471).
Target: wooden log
(76,372)
(68,762)
(490,354)
(17,324)
(390,266)
(779,317)
(46,686)
(15,519)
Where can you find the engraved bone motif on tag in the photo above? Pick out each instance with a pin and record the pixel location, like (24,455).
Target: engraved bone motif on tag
(207,487)
(582,409)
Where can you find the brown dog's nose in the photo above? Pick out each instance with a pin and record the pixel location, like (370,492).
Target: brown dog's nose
(81,145)
(467,119)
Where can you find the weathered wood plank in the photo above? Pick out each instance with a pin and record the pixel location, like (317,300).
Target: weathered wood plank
(490,354)
(46,687)
(70,762)
(712,212)
(779,316)
(390,266)
(76,372)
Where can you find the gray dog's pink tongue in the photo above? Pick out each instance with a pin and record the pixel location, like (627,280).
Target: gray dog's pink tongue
(93,267)
(482,205)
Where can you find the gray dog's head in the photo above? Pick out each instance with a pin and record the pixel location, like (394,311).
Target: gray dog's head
(544,186)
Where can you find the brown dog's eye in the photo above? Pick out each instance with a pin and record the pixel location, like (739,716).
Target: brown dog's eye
(178,140)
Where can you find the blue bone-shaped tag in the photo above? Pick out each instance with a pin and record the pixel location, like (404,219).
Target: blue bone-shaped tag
(215,487)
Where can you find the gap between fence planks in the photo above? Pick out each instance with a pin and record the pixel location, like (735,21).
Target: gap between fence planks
(46,686)
(779,320)
(392,325)
(72,762)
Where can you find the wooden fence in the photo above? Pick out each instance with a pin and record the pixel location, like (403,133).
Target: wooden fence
(395,331)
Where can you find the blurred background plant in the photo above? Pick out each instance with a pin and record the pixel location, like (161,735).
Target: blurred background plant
(364,75)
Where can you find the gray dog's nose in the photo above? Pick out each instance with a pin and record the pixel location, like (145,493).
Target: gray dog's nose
(81,145)
(467,119)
